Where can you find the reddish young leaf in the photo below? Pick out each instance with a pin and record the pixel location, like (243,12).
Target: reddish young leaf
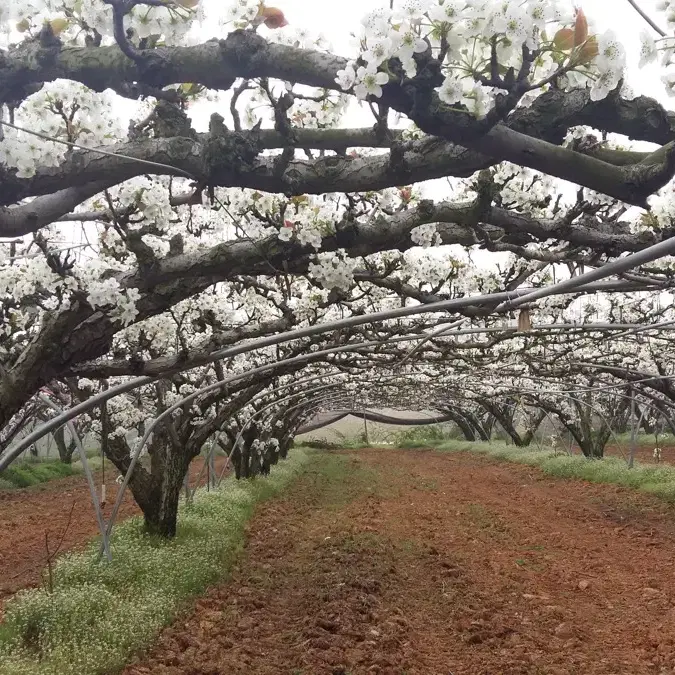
(564,39)
(580,28)
(588,51)
(273,17)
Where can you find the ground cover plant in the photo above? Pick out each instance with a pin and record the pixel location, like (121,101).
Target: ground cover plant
(124,604)
(25,474)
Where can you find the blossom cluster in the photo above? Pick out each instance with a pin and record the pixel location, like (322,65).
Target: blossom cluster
(446,26)
(661,49)
(333,269)
(433,270)
(73,19)
(65,110)
(426,235)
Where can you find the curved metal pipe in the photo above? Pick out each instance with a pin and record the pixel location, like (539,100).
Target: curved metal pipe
(262,410)
(302,358)
(631,261)
(261,394)
(252,345)
(320,404)
(89,475)
(229,457)
(334,398)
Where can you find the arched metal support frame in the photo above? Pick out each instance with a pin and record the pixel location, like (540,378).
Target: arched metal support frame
(262,410)
(262,394)
(302,358)
(338,397)
(100,520)
(252,345)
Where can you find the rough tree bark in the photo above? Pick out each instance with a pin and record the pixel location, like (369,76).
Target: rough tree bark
(64,449)
(156,485)
(157,489)
(482,429)
(505,414)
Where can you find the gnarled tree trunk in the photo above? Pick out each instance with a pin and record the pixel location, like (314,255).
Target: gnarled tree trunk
(462,423)
(157,490)
(64,449)
(506,416)
(160,509)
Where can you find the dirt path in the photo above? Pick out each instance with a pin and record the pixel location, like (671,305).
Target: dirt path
(384,561)
(27,514)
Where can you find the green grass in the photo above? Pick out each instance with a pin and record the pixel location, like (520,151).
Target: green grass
(100,614)
(32,471)
(340,479)
(655,479)
(25,474)
(645,440)
(422,436)
(35,470)
(94,462)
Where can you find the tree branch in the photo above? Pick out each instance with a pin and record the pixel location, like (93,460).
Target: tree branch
(216,64)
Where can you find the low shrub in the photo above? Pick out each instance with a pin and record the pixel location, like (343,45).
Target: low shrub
(99,614)
(49,470)
(322,444)
(426,435)
(19,476)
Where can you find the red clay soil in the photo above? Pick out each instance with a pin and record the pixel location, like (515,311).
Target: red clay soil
(28,514)
(438,564)
(644,453)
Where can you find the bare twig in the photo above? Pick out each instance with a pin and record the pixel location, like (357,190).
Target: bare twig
(644,15)
(51,556)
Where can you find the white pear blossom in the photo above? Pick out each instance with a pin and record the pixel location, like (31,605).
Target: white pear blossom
(648,49)
(347,76)
(412,10)
(370,82)
(451,91)
(333,270)
(449,11)
(378,50)
(426,235)
(411,44)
